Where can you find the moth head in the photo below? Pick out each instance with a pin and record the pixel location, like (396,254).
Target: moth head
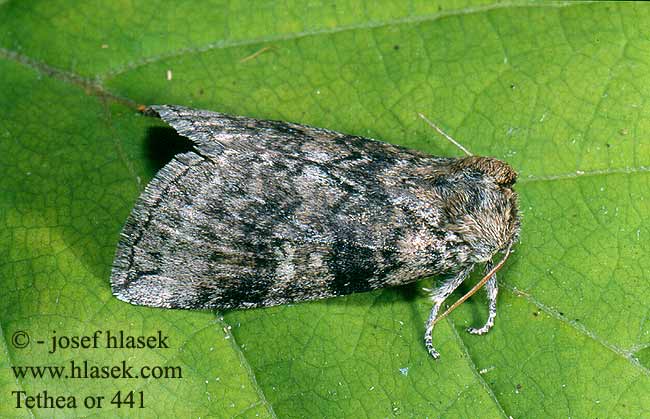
(485,208)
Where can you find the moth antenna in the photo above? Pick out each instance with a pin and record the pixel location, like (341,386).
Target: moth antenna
(444,134)
(475,288)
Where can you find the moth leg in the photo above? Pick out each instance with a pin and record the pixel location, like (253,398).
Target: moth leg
(439,295)
(491,288)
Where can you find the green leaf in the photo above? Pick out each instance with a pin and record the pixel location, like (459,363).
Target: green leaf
(559,90)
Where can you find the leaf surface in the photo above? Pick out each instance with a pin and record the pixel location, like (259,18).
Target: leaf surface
(560,91)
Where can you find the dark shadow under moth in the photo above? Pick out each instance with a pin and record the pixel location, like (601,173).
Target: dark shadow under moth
(263,213)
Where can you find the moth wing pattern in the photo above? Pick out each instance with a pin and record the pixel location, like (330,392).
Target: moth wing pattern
(263,213)
(266,213)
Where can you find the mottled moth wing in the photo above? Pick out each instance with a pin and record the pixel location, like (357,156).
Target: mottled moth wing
(265,213)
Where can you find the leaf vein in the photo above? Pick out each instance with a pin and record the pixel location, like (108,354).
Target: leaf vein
(247,366)
(475,371)
(222,44)
(579,328)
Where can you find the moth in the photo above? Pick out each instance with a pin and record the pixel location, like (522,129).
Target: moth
(263,213)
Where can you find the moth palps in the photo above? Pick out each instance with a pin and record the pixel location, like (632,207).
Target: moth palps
(263,213)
